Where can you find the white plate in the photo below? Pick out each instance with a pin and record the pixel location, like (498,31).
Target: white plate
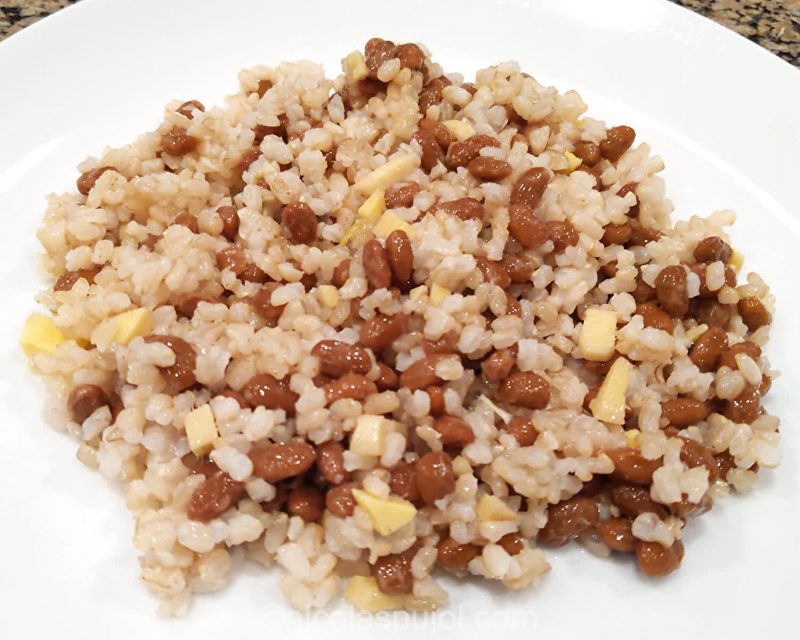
(722,113)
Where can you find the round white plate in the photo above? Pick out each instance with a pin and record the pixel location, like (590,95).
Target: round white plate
(719,110)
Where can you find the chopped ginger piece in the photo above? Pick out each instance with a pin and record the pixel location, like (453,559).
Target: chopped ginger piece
(573,161)
(386,175)
(461,466)
(493,509)
(695,332)
(461,129)
(387,514)
(356,67)
(598,335)
(201,430)
(504,415)
(418,293)
(328,295)
(369,436)
(634,438)
(363,592)
(373,207)
(41,334)
(390,222)
(438,294)
(355,230)
(736,262)
(609,404)
(136,322)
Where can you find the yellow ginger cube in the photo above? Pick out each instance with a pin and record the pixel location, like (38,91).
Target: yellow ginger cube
(373,207)
(356,67)
(461,466)
(418,293)
(136,322)
(633,438)
(598,335)
(356,229)
(41,334)
(387,514)
(609,404)
(369,436)
(389,222)
(201,430)
(461,129)
(493,509)
(328,295)
(695,332)
(736,262)
(387,174)
(438,294)
(363,592)
(573,161)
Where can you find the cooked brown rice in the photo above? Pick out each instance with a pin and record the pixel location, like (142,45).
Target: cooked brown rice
(397,323)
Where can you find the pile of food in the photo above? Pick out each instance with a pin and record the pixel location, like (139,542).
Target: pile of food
(396,324)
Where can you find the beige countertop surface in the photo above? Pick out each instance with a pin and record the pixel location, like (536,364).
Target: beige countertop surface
(773,24)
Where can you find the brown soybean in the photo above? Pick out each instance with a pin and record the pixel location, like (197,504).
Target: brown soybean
(683,412)
(280,460)
(380,331)
(618,141)
(529,188)
(350,385)
(300,222)
(400,254)
(498,364)
(337,358)
(330,462)
(264,390)
(215,496)
(393,575)
(401,195)
(728,356)
(671,290)
(754,313)
(616,534)
(712,249)
(526,389)
(306,502)
(84,400)
(523,430)
(656,560)
(707,349)
(176,142)
(87,180)
(634,500)
(376,265)
(453,431)
(464,208)
(179,376)
(455,557)
(655,318)
(435,478)
(525,227)
(631,466)
(567,520)
(489,169)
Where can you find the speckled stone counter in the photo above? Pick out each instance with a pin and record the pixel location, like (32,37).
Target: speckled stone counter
(773,24)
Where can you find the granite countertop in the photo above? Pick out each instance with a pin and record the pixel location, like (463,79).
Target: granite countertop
(773,24)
